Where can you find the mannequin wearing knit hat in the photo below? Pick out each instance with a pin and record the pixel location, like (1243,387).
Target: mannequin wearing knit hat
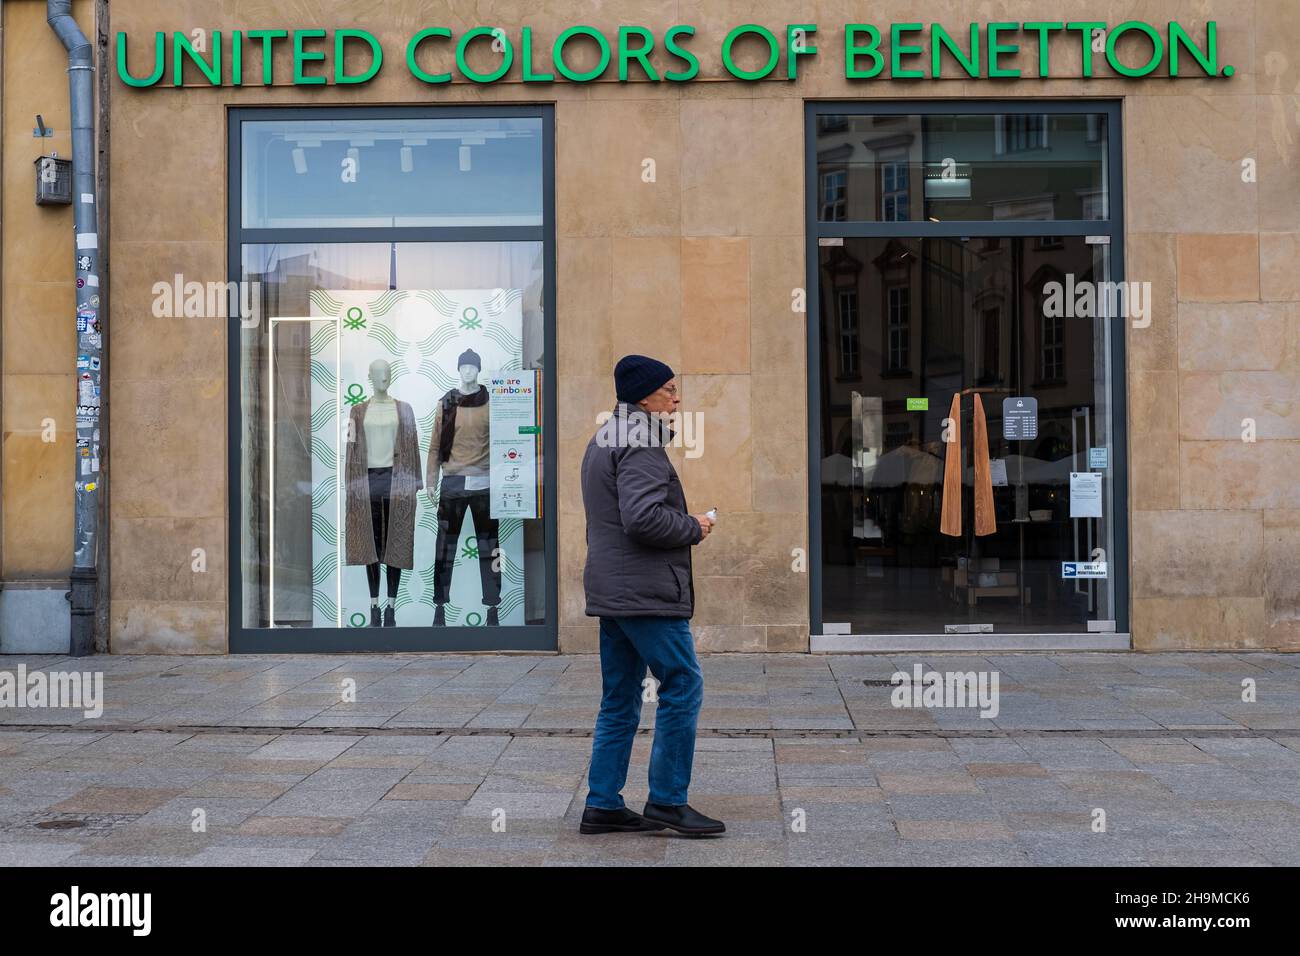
(458,465)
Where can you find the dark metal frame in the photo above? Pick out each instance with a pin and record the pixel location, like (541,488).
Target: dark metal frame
(1113,227)
(540,637)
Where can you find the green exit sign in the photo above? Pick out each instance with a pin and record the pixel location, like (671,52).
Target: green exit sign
(918,404)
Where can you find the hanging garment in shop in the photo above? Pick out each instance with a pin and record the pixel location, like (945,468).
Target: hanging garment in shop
(950,507)
(986,521)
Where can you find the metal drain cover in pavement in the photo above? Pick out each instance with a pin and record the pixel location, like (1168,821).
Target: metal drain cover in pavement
(93,824)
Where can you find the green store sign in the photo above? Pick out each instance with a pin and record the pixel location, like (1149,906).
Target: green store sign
(986,51)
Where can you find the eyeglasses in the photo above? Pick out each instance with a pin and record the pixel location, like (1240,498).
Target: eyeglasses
(670,389)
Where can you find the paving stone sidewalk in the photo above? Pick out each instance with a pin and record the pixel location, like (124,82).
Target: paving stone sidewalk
(408,759)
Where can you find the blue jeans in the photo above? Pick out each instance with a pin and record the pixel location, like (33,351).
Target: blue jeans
(627,645)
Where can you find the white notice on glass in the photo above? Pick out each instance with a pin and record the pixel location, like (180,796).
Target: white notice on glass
(1085,494)
(998,470)
(515,439)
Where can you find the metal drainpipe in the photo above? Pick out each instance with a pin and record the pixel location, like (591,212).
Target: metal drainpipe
(81,70)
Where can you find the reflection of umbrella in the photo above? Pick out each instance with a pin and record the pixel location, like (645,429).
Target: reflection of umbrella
(905,465)
(837,470)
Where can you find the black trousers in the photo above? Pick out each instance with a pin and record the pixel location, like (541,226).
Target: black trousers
(381,482)
(453,502)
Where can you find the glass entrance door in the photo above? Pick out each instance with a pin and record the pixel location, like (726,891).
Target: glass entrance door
(966,435)
(967,349)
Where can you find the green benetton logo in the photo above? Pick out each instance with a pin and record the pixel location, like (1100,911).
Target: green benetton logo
(918,404)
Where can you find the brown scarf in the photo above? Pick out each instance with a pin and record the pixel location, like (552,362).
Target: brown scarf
(450,402)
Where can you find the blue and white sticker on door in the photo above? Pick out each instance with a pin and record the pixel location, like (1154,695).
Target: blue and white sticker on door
(1083,569)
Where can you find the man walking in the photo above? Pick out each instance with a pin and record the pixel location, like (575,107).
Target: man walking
(638,582)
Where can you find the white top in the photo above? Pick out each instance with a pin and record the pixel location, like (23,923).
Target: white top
(381,433)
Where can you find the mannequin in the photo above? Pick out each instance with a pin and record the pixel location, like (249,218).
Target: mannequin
(383,474)
(458,451)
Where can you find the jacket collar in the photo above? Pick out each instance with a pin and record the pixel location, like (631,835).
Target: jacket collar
(633,414)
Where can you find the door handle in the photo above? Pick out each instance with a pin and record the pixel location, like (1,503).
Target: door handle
(950,505)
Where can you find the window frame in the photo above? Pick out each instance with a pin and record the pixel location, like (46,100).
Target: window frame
(849,333)
(287,640)
(1109,231)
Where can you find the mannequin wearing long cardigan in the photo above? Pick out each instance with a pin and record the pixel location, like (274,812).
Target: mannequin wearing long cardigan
(359,539)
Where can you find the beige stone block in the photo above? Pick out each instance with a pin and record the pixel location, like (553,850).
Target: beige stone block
(1208,553)
(601,147)
(787,639)
(729,638)
(777,127)
(1153,419)
(584,303)
(40,331)
(580,399)
(38,475)
(777,335)
(1279,278)
(1277,37)
(163,566)
(776,594)
(778,404)
(1195,142)
(1214,405)
(715,600)
(1198,623)
(720,476)
(1236,474)
(1277,155)
(115,800)
(1233,336)
(569,476)
(713,19)
(573,560)
(167,627)
(171,460)
(1281,582)
(192,206)
(745,543)
(647,318)
(1152,258)
(580,639)
(1236,44)
(168,348)
(718,175)
(1218,268)
(1064,49)
(715,305)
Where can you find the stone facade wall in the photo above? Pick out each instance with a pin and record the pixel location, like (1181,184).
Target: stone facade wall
(698,268)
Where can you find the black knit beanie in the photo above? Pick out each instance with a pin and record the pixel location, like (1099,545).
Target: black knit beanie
(636,376)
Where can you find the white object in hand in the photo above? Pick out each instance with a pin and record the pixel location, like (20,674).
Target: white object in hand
(712,515)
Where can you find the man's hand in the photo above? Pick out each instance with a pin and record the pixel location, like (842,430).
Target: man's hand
(706,524)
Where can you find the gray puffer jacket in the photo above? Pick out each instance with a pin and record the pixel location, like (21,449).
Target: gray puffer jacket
(639,533)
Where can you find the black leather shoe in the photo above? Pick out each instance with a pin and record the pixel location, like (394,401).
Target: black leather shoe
(439,617)
(492,617)
(390,619)
(683,819)
(374,617)
(597,820)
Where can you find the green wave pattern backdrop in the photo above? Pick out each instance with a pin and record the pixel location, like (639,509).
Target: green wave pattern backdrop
(420,333)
